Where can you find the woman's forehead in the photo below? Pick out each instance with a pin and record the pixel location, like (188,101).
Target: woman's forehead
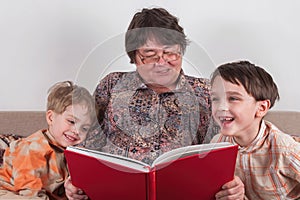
(154,44)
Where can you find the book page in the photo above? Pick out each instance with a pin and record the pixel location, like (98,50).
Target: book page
(116,159)
(188,150)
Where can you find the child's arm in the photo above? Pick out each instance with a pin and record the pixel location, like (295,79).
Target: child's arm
(18,173)
(28,169)
(293,158)
(289,163)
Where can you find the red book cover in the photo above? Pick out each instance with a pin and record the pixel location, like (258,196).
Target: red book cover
(196,176)
(192,172)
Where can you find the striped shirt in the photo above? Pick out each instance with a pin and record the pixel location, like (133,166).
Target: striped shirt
(270,166)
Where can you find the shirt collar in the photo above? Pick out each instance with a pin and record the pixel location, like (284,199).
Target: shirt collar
(52,141)
(133,81)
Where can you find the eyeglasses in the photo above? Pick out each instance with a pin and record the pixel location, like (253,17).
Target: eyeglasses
(168,56)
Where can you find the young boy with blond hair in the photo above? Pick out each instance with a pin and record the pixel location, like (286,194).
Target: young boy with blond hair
(268,160)
(35,167)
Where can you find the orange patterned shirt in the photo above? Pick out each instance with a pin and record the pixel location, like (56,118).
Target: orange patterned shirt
(34,166)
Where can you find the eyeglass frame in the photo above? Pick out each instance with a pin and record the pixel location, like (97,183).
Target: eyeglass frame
(157,57)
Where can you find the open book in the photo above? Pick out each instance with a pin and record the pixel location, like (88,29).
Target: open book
(191,172)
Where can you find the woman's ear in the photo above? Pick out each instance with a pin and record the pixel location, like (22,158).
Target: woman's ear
(49,117)
(263,108)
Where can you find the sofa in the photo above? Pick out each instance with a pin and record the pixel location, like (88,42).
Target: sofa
(16,124)
(23,123)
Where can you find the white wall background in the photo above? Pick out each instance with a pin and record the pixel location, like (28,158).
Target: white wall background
(42,42)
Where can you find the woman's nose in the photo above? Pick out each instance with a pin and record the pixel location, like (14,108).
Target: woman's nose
(161,59)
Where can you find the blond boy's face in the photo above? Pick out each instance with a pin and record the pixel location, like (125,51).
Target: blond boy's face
(70,127)
(235,110)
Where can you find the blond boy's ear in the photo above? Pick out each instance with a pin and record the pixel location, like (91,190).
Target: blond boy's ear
(49,117)
(263,108)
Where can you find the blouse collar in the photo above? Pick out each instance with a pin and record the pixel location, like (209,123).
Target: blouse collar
(133,81)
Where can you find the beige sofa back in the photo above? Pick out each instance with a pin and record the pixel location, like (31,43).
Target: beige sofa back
(22,122)
(27,122)
(287,121)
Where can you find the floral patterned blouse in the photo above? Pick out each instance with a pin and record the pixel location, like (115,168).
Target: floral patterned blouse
(139,123)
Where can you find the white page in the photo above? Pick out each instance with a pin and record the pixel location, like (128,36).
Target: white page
(188,150)
(121,160)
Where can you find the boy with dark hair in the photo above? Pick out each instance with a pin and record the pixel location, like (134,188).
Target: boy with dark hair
(268,161)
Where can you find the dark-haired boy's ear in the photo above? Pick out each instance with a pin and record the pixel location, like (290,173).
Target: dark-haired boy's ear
(49,117)
(263,108)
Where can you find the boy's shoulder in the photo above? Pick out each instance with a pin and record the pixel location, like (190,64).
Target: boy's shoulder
(279,138)
(36,136)
(36,141)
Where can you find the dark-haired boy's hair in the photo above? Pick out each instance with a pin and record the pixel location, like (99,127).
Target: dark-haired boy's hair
(256,81)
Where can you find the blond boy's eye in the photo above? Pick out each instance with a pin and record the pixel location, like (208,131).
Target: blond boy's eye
(85,129)
(71,121)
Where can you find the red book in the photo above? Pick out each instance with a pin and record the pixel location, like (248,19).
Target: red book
(191,172)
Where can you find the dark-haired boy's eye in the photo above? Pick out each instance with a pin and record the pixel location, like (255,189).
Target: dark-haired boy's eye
(233,99)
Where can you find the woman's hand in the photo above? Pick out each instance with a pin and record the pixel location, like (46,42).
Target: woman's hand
(232,190)
(72,192)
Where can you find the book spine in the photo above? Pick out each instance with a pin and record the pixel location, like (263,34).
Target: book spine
(151,183)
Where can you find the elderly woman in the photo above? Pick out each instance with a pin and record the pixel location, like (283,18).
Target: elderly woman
(156,108)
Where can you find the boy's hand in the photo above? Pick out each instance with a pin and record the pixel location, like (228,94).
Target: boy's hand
(232,190)
(72,192)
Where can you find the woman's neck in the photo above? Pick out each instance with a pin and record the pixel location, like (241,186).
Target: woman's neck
(161,89)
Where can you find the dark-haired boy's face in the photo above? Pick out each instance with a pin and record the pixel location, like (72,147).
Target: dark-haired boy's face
(158,64)
(234,109)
